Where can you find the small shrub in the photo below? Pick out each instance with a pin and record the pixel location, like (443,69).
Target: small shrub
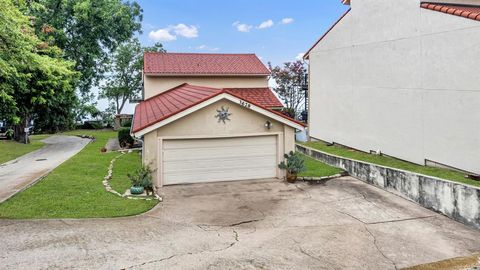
(293,164)
(92,125)
(127,123)
(142,178)
(9,134)
(124,137)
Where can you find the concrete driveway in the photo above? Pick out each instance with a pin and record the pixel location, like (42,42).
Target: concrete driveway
(18,174)
(343,224)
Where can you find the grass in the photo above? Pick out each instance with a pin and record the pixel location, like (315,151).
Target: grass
(74,189)
(392,162)
(125,164)
(11,149)
(315,168)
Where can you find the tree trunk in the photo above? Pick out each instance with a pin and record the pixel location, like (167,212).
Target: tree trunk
(19,131)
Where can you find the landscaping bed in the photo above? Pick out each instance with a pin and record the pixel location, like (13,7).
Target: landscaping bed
(75,190)
(391,162)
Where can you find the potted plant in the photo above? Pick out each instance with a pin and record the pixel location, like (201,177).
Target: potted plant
(141,180)
(293,165)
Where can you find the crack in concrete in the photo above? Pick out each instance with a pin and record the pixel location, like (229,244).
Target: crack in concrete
(180,255)
(399,220)
(235,235)
(378,248)
(365,225)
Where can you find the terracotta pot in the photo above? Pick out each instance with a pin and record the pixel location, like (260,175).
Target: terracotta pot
(291,178)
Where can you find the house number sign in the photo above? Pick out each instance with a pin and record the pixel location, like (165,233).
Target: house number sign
(245,104)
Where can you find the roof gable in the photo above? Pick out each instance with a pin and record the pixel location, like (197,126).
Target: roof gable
(164,108)
(182,64)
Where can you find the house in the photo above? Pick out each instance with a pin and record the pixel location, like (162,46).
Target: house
(210,117)
(401,77)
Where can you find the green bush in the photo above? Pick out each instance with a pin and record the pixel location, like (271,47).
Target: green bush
(124,137)
(127,123)
(92,125)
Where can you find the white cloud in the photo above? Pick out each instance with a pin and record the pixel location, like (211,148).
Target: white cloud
(165,34)
(265,24)
(207,48)
(162,35)
(185,30)
(242,27)
(300,56)
(286,21)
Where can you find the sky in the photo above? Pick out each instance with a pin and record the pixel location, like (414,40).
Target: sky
(277,31)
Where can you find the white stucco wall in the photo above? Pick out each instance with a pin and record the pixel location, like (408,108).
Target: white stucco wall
(395,77)
(154,85)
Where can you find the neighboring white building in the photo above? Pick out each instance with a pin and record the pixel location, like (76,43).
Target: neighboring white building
(402,77)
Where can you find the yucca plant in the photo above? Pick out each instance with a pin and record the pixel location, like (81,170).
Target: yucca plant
(293,164)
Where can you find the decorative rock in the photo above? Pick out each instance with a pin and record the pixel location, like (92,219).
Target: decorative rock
(108,188)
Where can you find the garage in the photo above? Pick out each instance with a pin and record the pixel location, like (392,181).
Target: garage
(219,159)
(196,134)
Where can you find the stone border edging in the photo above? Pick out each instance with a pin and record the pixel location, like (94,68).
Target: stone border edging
(108,188)
(460,202)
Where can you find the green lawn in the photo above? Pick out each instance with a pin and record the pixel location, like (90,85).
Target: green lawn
(74,189)
(11,149)
(392,162)
(125,164)
(315,168)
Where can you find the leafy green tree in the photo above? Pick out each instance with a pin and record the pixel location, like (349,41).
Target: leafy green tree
(32,71)
(86,30)
(125,79)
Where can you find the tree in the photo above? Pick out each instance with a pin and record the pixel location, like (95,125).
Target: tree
(87,31)
(125,79)
(289,80)
(32,71)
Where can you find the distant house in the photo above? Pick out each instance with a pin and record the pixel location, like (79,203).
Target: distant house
(402,77)
(210,117)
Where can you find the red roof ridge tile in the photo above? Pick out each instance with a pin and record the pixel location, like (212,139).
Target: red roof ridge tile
(461,10)
(196,53)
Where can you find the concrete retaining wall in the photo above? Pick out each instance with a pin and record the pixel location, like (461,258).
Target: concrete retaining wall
(457,201)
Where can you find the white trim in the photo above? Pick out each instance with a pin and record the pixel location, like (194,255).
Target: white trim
(278,135)
(212,100)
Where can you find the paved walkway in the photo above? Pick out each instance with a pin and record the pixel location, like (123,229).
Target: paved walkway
(18,174)
(264,224)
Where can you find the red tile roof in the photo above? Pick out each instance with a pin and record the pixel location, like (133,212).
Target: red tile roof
(466,11)
(184,96)
(263,96)
(203,64)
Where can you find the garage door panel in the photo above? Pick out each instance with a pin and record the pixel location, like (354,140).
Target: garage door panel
(218,152)
(223,159)
(225,175)
(218,142)
(220,164)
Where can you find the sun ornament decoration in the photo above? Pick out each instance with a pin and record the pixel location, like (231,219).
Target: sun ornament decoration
(223,114)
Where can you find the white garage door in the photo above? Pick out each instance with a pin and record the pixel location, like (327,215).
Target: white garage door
(225,159)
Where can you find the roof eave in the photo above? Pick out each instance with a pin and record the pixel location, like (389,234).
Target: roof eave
(206,74)
(210,100)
